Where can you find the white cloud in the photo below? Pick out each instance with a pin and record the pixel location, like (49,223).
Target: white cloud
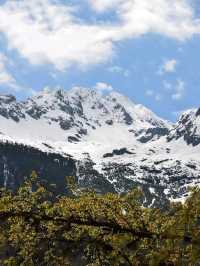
(179,90)
(172,18)
(47,31)
(44,32)
(169,66)
(158,97)
(149,92)
(167,86)
(119,70)
(101,86)
(127,73)
(5,77)
(115,69)
(104,5)
(176,91)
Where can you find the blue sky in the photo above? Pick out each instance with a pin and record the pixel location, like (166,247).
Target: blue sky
(147,50)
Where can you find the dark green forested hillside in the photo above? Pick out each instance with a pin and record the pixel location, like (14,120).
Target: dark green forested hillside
(89,229)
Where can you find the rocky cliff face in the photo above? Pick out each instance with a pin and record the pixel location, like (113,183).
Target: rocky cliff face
(17,163)
(107,142)
(188,128)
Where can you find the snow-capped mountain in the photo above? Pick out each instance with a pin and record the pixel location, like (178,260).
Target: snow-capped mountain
(61,116)
(188,128)
(111,143)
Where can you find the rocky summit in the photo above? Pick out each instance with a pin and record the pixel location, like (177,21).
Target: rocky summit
(107,142)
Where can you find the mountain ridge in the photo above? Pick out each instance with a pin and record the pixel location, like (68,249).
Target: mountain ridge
(110,137)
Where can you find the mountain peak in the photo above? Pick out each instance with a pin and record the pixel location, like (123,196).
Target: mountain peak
(187,127)
(72,114)
(7,99)
(198,112)
(108,135)
(82,90)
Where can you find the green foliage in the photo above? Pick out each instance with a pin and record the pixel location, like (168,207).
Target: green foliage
(90,229)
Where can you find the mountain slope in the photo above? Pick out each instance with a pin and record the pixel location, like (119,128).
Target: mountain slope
(110,138)
(72,112)
(188,128)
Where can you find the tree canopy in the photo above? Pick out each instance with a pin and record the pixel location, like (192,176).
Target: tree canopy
(37,228)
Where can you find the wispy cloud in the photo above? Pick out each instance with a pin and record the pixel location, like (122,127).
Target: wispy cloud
(6,78)
(167,86)
(176,91)
(44,32)
(169,66)
(104,5)
(172,18)
(103,87)
(157,96)
(179,90)
(119,70)
(47,31)
(149,92)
